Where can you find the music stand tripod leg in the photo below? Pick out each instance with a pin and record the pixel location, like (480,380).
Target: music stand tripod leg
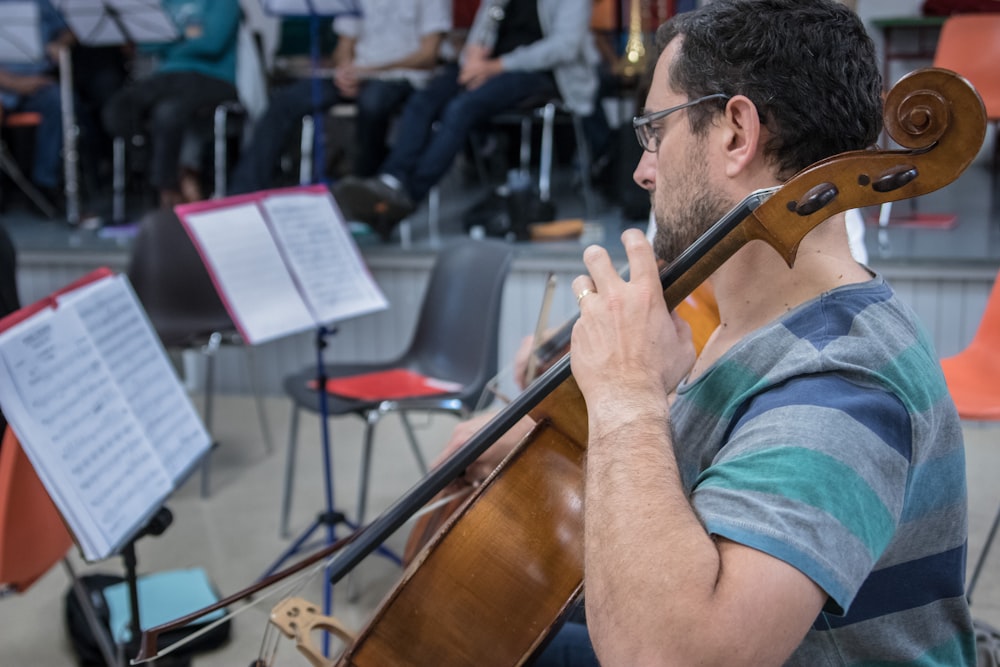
(329,518)
(105,644)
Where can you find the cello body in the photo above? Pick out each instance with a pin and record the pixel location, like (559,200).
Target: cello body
(699,310)
(503,569)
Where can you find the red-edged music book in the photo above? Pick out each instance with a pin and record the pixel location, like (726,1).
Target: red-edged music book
(283,261)
(98,408)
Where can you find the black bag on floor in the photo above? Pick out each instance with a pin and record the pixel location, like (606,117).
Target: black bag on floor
(86,646)
(506,213)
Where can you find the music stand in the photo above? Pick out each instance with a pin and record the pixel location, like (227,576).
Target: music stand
(314,10)
(20,37)
(330,517)
(114,22)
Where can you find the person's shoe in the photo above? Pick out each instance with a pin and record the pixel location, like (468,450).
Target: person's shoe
(190,185)
(373,201)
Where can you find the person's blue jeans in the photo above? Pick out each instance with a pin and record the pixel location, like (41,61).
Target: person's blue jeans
(378,101)
(47,161)
(165,106)
(437,120)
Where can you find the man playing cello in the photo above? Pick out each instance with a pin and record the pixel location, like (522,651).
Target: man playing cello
(795,492)
(802,499)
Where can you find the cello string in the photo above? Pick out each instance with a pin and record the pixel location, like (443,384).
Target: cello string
(268,648)
(540,326)
(289,588)
(492,389)
(540,338)
(430,507)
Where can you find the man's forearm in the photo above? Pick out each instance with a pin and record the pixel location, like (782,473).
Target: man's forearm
(650,565)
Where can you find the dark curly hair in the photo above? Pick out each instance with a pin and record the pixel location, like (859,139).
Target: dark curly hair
(808,65)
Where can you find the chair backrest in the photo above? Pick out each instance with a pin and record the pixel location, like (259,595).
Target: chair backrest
(172,282)
(970,45)
(458,327)
(988,333)
(33,536)
(251,75)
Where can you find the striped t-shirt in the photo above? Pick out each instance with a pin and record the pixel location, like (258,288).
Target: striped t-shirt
(828,439)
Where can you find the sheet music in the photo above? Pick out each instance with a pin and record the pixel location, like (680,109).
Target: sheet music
(139,366)
(111,22)
(20,34)
(251,274)
(78,430)
(310,7)
(322,255)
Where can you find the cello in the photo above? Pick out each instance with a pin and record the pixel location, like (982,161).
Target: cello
(494,582)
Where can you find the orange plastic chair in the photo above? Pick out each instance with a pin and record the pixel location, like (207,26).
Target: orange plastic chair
(9,166)
(972,377)
(970,45)
(33,537)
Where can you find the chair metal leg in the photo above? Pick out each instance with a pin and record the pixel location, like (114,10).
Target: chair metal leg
(71,154)
(524,155)
(118,180)
(265,425)
(371,418)
(9,167)
(414,445)
(545,158)
(209,350)
(220,120)
(982,556)
(434,216)
(100,632)
(583,157)
(306,150)
(286,495)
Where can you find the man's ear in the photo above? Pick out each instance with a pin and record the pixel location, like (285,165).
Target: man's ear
(741,134)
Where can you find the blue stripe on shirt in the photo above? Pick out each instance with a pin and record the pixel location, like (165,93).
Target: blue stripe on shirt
(879,411)
(905,586)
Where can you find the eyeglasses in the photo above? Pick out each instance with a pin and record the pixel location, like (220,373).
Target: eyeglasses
(648,135)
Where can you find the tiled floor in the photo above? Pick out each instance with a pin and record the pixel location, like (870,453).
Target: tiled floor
(233,534)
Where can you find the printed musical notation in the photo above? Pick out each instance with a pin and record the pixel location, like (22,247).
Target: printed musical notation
(283,261)
(99,410)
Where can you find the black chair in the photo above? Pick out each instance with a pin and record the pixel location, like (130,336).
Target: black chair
(456,339)
(221,127)
(9,163)
(184,308)
(547,111)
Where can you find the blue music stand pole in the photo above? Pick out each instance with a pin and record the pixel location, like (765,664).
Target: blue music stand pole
(319,137)
(329,517)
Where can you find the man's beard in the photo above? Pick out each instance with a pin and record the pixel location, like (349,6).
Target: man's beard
(677,229)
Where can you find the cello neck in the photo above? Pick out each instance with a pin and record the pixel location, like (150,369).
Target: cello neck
(691,266)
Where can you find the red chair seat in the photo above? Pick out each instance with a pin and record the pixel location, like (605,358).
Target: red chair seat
(22,119)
